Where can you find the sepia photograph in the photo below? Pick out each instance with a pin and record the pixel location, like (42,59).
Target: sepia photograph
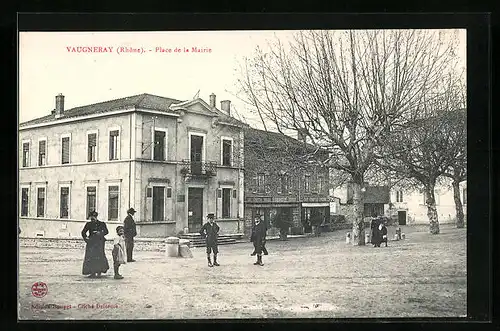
(270,174)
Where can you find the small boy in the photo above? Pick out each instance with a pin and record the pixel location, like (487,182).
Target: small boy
(119,251)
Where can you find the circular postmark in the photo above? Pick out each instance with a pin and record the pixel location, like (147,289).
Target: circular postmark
(39,289)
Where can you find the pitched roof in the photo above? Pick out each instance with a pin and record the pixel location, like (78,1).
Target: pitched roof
(144,100)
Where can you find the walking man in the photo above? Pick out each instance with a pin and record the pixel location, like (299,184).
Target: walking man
(130,232)
(264,249)
(258,237)
(210,231)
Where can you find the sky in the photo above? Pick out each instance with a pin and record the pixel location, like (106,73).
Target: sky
(47,67)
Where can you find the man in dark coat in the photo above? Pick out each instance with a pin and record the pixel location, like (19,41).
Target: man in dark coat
(258,238)
(210,231)
(375,232)
(264,249)
(130,233)
(95,261)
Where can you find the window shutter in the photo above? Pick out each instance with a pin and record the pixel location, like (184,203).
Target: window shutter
(92,140)
(41,146)
(65,150)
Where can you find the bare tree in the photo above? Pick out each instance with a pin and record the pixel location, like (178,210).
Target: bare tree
(430,144)
(345,89)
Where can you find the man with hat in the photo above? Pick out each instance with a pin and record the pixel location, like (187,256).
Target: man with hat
(258,238)
(264,250)
(130,232)
(210,231)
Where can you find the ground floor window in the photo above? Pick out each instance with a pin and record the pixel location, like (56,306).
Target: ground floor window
(113,202)
(40,203)
(64,203)
(373,208)
(91,199)
(158,203)
(24,201)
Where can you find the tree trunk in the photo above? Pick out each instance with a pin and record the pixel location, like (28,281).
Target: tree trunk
(358,224)
(432,214)
(458,204)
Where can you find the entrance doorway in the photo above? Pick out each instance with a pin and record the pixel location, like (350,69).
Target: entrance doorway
(402,217)
(195,209)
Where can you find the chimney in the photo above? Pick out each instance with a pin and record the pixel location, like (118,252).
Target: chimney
(301,135)
(225,106)
(59,105)
(212,100)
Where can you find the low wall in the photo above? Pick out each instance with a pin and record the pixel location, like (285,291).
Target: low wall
(57,228)
(156,230)
(150,244)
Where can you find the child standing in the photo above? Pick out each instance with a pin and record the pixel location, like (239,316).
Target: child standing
(119,251)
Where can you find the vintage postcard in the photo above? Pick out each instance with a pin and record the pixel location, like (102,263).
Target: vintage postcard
(242,174)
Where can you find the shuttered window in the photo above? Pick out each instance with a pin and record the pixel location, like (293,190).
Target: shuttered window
(24,201)
(26,154)
(113,203)
(113,144)
(159,146)
(92,147)
(65,150)
(64,203)
(226,152)
(40,202)
(91,200)
(307,183)
(42,146)
(261,182)
(226,202)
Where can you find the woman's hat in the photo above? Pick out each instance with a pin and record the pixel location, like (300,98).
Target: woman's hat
(119,227)
(93,213)
(131,211)
(211,215)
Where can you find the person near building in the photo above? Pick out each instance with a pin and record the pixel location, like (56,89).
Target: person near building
(383,232)
(375,232)
(264,249)
(130,231)
(210,231)
(95,261)
(258,238)
(119,254)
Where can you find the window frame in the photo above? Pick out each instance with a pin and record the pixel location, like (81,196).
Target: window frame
(87,147)
(153,130)
(39,186)
(21,187)
(261,188)
(61,186)
(204,149)
(231,156)
(118,142)
(399,196)
(65,135)
(46,151)
(152,186)
(86,186)
(28,160)
(108,185)
(307,183)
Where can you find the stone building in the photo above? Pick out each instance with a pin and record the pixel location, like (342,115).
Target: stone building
(280,181)
(173,161)
(405,206)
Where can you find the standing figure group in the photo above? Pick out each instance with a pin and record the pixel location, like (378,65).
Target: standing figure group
(95,262)
(379,231)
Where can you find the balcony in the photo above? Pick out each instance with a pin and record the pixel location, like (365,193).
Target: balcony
(198,169)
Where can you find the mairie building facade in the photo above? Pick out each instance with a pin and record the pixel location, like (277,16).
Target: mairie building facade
(173,161)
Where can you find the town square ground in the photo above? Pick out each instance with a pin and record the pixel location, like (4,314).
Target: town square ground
(323,277)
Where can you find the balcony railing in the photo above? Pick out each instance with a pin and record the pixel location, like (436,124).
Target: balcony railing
(198,168)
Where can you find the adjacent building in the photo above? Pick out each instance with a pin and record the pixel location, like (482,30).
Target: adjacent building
(173,161)
(282,182)
(404,206)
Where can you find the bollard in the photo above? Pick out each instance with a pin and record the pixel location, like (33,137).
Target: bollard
(403,236)
(172,247)
(367,237)
(347,238)
(396,236)
(184,242)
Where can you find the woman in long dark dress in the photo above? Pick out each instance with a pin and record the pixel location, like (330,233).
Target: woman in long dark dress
(95,261)
(376,235)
